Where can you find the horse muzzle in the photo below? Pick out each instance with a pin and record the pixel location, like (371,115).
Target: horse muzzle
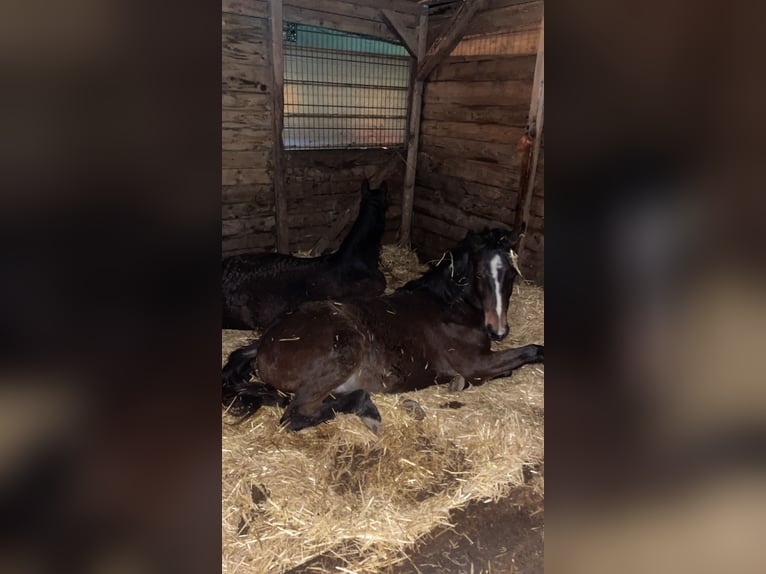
(497,334)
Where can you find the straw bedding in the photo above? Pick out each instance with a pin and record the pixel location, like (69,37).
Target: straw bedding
(339,490)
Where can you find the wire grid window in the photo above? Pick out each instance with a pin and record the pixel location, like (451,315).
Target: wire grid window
(343,90)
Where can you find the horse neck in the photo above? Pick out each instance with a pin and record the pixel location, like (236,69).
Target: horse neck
(363,241)
(443,290)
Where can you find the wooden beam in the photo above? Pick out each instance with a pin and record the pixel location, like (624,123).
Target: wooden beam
(537,107)
(444,44)
(396,23)
(386,169)
(278,171)
(408,194)
(349,214)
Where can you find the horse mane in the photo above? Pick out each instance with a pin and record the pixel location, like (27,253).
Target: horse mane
(269,265)
(450,280)
(362,244)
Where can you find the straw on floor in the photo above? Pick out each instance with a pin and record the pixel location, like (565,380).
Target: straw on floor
(337,489)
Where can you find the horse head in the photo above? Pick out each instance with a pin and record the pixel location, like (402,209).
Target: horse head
(494,270)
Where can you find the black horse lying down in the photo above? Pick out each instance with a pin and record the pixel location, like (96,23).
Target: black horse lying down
(258,288)
(329,355)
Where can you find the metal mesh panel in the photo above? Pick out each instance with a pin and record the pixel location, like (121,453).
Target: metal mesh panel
(343,90)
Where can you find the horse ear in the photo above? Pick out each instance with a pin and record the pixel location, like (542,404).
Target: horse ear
(365,185)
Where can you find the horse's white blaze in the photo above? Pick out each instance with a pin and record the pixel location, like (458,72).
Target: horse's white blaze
(351,384)
(494,266)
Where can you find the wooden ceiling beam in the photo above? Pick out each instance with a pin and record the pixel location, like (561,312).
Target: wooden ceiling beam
(445,43)
(408,36)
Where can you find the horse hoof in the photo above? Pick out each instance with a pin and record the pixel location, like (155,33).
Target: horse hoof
(414,409)
(372,424)
(457,383)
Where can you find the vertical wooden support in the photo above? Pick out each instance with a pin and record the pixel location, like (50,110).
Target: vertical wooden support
(536,115)
(408,194)
(278,172)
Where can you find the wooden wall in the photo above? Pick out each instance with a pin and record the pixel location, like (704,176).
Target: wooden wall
(247,137)
(475,110)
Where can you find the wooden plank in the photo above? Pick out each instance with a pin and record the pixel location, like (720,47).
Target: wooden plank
(468,149)
(500,43)
(242,139)
(471,171)
(321,174)
(238,50)
(486,68)
(335,159)
(236,176)
(452,231)
(404,6)
(278,174)
(455,216)
(514,116)
(252,8)
(247,101)
(502,209)
(507,19)
(257,193)
(240,210)
(246,159)
(350,9)
(234,119)
(510,93)
(477,132)
(385,171)
(444,44)
(246,225)
(416,103)
(340,22)
(341,221)
(397,24)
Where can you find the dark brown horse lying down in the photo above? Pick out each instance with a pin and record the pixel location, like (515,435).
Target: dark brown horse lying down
(329,356)
(258,288)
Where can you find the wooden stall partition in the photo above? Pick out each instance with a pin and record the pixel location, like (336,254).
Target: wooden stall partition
(475,110)
(248,216)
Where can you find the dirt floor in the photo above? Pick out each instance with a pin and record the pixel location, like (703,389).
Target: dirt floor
(503,537)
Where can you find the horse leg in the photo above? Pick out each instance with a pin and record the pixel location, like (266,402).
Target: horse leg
(491,365)
(360,403)
(301,414)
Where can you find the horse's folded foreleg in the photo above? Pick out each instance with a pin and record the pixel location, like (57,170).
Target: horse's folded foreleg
(500,363)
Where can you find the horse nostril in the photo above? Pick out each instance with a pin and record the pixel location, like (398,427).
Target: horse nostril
(493,334)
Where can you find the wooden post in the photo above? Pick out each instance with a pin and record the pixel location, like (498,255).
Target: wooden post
(278,172)
(408,194)
(536,114)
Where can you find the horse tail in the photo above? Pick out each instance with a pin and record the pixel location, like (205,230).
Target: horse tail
(240,396)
